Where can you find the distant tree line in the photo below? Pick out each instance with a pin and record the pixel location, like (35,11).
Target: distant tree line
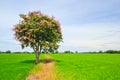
(10,52)
(65,52)
(26,52)
(112,51)
(94,52)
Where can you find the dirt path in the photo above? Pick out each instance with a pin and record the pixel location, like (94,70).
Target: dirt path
(46,73)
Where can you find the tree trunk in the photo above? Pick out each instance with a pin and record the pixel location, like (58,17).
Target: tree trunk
(37,54)
(37,57)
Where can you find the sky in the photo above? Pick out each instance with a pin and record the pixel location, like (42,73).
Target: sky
(87,25)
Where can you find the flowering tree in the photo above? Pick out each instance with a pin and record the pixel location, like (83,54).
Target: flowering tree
(39,31)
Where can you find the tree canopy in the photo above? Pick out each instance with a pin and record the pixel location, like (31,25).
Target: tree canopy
(39,31)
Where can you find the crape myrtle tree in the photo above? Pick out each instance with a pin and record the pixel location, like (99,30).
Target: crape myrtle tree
(38,31)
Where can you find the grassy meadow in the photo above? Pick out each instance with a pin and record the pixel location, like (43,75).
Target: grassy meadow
(88,66)
(67,66)
(15,66)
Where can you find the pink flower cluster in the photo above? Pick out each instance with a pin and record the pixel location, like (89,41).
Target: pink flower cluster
(34,13)
(45,22)
(59,28)
(27,31)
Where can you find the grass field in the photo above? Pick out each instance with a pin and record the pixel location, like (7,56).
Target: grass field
(68,66)
(88,66)
(15,66)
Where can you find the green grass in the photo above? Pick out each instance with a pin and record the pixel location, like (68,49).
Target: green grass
(15,66)
(87,66)
(68,66)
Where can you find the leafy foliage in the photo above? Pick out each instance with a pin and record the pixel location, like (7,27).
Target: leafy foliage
(39,31)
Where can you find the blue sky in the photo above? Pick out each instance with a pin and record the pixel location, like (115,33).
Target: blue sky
(87,25)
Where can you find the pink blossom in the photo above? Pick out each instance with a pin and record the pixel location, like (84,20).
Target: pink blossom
(46,15)
(31,30)
(15,37)
(41,31)
(59,29)
(28,33)
(53,17)
(22,16)
(49,24)
(58,23)
(34,13)
(42,22)
(16,27)
(40,16)
(16,30)
(38,24)
(23,22)
(22,42)
(24,38)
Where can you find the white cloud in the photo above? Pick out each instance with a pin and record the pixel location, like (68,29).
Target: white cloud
(86,24)
(95,36)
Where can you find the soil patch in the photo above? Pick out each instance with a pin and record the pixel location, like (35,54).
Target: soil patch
(46,72)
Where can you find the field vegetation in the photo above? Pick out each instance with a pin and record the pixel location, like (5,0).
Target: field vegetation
(67,66)
(88,66)
(15,66)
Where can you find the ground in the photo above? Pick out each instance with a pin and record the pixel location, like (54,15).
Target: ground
(46,72)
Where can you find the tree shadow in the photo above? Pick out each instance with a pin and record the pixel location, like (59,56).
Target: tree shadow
(28,61)
(45,61)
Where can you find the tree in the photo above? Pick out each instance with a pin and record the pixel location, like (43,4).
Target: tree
(112,51)
(100,51)
(8,51)
(38,31)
